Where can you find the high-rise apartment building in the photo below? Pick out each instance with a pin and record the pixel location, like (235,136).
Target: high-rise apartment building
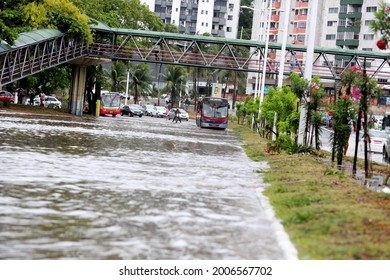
(218,18)
(341,24)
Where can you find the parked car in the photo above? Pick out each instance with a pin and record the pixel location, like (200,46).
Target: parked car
(51,102)
(7,96)
(159,112)
(149,111)
(131,110)
(183,114)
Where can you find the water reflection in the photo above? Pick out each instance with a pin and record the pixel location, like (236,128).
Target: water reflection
(128,188)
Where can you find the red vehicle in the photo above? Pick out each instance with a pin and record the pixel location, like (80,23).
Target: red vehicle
(212,112)
(110,104)
(6,96)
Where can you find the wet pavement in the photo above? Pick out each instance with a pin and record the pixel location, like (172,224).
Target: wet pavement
(130,188)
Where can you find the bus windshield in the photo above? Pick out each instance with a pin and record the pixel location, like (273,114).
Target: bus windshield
(215,110)
(110,100)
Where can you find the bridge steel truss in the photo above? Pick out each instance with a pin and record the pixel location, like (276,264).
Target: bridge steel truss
(229,54)
(23,60)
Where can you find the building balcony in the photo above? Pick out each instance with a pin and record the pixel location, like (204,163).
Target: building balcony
(276,5)
(275,17)
(300,5)
(353,29)
(300,17)
(354,15)
(298,43)
(351,2)
(299,30)
(349,43)
(273,30)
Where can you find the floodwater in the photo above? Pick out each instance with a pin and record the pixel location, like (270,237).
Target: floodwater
(130,188)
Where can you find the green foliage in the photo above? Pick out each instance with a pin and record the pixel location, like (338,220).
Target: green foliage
(341,116)
(299,85)
(60,14)
(382,23)
(176,77)
(11,22)
(115,79)
(284,143)
(121,13)
(140,80)
(283,102)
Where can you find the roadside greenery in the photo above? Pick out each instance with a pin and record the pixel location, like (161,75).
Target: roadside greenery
(327,214)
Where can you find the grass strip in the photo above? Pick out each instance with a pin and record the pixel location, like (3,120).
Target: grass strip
(327,214)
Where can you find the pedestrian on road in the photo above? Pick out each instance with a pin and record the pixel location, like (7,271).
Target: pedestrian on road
(177,116)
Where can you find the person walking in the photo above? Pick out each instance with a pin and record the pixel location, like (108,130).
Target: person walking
(177,116)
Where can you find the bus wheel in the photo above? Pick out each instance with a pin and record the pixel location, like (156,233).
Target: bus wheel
(113,116)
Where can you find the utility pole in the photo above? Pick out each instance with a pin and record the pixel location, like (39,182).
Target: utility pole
(308,71)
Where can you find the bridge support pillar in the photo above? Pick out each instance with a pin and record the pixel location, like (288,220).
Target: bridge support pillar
(77,89)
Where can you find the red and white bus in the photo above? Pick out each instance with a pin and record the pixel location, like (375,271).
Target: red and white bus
(212,112)
(110,104)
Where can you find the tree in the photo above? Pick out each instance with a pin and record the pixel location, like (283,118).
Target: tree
(281,101)
(60,14)
(115,78)
(176,77)
(382,25)
(121,13)
(11,20)
(140,81)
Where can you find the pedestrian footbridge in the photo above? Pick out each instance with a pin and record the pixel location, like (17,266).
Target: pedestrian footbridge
(38,50)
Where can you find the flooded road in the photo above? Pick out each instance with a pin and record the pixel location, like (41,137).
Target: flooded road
(130,188)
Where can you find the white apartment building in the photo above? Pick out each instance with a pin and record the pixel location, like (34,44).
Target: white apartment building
(341,24)
(218,18)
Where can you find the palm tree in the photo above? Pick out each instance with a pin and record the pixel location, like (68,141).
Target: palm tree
(115,79)
(176,77)
(140,80)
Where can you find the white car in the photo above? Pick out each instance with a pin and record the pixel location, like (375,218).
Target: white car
(183,114)
(150,110)
(159,112)
(378,141)
(51,102)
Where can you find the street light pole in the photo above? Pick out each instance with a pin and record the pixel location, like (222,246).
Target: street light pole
(308,70)
(284,43)
(262,88)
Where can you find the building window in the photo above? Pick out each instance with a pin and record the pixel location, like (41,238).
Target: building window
(368,22)
(302,12)
(368,36)
(331,23)
(220,27)
(301,38)
(202,12)
(207,24)
(177,9)
(371,9)
(207,12)
(229,29)
(333,10)
(202,24)
(230,17)
(231,7)
(330,37)
(343,9)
